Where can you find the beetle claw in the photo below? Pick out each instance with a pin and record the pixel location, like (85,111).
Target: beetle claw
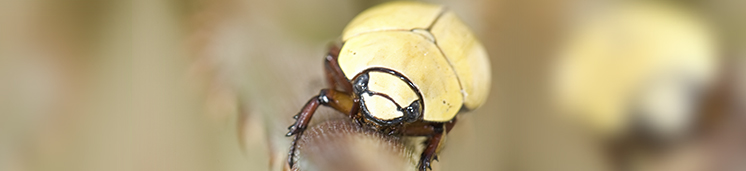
(424,166)
(426,162)
(290,133)
(293,130)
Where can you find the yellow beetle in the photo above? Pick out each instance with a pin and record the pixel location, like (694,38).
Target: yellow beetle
(404,68)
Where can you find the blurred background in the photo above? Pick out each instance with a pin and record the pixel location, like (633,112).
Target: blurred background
(213,84)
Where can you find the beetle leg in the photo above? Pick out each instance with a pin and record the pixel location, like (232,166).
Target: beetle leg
(450,124)
(340,101)
(431,149)
(435,133)
(304,117)
(334,75)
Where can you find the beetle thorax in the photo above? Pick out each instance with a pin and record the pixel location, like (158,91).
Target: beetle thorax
(386,98)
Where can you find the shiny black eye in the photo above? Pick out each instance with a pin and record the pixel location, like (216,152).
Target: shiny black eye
(360,84)
(412,112)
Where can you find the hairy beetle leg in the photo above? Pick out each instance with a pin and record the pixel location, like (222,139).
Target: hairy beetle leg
(304,117)
(435,133)
(430,151)
(334,75)
(340,101)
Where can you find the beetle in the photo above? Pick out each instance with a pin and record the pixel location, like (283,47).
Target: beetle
(404,69)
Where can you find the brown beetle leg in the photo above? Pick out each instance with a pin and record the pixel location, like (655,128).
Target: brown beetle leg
(338,96)
(450,124)
(435,133)
(340,101)
(334,75)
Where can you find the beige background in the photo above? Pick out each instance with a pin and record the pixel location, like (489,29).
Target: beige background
(212,85)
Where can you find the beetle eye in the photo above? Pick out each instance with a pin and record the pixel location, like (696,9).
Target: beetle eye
(361,84)
(413,110)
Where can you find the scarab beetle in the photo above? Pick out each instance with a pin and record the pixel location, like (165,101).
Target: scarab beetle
(405,69)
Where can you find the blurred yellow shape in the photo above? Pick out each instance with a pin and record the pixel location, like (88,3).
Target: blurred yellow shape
(635,58)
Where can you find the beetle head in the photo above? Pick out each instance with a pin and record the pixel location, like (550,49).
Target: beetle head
(387,98)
